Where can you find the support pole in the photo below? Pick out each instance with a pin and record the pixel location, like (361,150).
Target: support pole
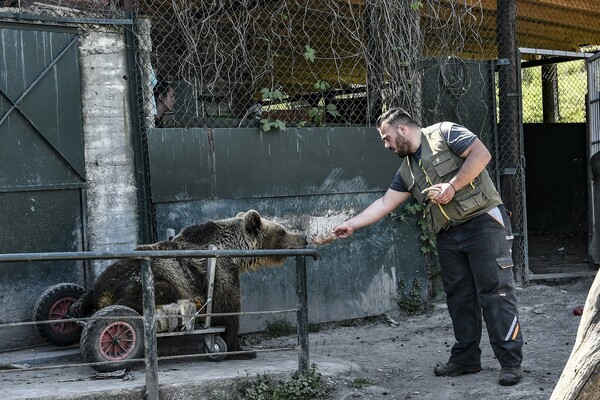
(151,358)
(509,129)
(302,313)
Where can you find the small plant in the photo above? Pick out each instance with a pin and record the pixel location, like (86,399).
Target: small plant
(302,386)
(266,124)
(412,303)
(360,383)
(416,5)
(279,327)
(309,54)
(319,113)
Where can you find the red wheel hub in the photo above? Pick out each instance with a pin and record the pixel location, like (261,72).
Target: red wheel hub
(117,341)
(58,312)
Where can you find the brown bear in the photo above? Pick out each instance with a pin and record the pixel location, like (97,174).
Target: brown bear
(174,279)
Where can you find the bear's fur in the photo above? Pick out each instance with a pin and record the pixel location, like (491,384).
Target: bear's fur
(184,278)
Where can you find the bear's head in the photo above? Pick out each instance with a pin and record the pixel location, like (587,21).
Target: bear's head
(263,234)
(246,231)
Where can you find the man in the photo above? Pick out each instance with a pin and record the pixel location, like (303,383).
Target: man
(444,167)
(164,95)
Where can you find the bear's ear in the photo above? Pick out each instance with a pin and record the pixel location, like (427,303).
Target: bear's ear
(252,221)
(240,214)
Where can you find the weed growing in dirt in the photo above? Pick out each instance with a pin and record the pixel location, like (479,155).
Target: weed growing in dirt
(302,386)
(279,327)
(413,303)
(360,383)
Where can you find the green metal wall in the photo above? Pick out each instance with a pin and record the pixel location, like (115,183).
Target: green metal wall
(42,172)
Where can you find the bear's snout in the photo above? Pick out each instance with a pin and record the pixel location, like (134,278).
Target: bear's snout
(299,242)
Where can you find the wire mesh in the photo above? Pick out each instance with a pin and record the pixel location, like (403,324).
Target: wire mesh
(275,64)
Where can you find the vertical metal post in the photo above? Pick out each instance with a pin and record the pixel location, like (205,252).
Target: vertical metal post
(211,268)
(151,359)
(139,132)
(510,138)
(302,313)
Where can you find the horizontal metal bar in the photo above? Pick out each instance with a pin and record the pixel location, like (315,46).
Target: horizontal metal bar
(572,54)
(74,20)
(76,320)
(94,255)
(577,274)
(139,360)
(39,188)
(204,331)
(184,356)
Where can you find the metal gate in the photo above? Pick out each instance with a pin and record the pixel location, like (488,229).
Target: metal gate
(42,169)
(593,66)
(593,111)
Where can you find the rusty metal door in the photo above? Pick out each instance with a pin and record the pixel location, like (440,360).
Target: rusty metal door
(42,169)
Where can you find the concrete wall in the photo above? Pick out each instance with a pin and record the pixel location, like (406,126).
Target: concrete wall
(111,185)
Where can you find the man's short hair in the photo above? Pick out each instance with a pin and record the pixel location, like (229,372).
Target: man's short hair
(394,116)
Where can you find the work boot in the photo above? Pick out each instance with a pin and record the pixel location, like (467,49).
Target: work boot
(450,369)
(510,376)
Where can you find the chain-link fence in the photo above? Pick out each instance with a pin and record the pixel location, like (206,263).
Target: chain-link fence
(274,64)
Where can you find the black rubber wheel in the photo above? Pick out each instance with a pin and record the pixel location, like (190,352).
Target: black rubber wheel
(115,339)
(53,304)
(218,350)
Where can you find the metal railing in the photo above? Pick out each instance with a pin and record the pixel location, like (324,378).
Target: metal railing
(148,300)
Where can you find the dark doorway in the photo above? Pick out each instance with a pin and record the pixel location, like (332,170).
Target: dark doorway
(557,197)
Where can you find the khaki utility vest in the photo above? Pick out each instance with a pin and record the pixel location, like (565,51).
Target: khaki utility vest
(439,165)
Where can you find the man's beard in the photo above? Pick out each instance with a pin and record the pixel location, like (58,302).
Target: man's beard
(402,147)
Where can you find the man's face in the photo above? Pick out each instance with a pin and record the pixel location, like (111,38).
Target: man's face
(169,99)
(394,139)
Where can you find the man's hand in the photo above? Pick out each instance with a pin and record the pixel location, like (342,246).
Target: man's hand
(343,231)
(441,193)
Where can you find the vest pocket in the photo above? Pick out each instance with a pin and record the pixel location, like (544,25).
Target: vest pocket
(444,163)
(470,198)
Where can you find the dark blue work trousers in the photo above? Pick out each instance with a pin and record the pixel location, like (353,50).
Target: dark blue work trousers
(476,264)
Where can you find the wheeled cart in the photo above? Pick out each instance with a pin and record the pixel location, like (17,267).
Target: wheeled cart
(115,334)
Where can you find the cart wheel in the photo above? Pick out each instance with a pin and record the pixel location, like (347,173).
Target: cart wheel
(113,339)
(53,304)
(219,349)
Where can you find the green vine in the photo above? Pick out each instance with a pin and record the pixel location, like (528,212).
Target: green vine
(427,238)
(316,114)
(266,124)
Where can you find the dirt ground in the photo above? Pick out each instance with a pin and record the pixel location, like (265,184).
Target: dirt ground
(394,356)
(386,357)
